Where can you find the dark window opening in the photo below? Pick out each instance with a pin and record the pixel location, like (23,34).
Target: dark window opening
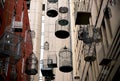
(43,7)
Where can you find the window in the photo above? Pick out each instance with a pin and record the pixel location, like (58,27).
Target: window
(43,7)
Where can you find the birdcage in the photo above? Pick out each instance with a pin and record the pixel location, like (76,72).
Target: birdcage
(45,70)
(31,65)
(83,12)
(65,60)
(80,33)
(52,8)
(46,46)
(97,35)
(2,75)
(62,28)
(9,45)
(63,9)
(89,52)
(49,78)
(52,60)
(88,34)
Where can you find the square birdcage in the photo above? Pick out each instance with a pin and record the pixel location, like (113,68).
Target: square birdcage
(83,12)
(45,70)
(52,60)
(9,45)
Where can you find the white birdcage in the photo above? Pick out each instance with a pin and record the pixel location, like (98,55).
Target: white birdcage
(52,8)
(65,60)
(62,28)
(52,60)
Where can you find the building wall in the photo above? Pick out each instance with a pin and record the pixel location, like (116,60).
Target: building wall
(93,71)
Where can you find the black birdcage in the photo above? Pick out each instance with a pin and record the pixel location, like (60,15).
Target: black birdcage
(10,45)
(52,8)
(31,65)
(49,78)
(2,74)
(80,33)
(97,35)
(28,4)
(89,52)
(46,71)
(88,34)
(52,60)
(65,60)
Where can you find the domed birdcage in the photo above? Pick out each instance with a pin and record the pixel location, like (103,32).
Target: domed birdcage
(90,52)
(46,46)
(45,70)
(96,35)
(9,45)
(88,35)
(65,60)
(31,65)
(52,60)
(52,8)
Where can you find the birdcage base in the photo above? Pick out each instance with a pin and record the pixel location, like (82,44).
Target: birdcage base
(52,1)
(31,72)
(52,65)
(87,40)
(4,54)
(52,13)
(90,58)
(47,72)
(62,34)
(66,68)
(63,22)
(49,77)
